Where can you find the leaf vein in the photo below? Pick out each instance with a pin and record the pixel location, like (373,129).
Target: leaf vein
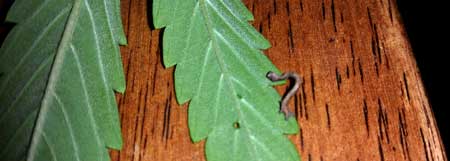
(11,140)
(86,95)
(50,147)
(29,51)
(69,126)
(22,91)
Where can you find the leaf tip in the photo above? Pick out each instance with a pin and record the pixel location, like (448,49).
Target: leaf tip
(197,134)
(157,24)
(123,40)
(181,98)
(119,84)
(121,89)
(117,145)
(265,44)
(195,138)
(292,126)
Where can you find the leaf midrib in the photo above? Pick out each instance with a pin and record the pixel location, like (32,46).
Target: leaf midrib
(223,68)
(54,75)
(216,52)
(64,46)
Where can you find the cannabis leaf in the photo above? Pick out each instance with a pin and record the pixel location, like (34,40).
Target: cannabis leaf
(220,68)
(59,66)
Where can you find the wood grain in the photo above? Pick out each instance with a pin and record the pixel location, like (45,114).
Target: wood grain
(362,98)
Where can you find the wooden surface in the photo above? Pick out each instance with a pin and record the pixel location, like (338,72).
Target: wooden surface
(362,97)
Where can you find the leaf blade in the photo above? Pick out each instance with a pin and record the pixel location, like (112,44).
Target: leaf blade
(225,82)
(84,36)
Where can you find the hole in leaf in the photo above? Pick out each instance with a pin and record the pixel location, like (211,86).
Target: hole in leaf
(236,125)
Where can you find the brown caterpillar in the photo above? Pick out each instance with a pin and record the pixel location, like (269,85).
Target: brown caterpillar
(297,81)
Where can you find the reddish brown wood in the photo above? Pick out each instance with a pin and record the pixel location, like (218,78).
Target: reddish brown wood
(362,97)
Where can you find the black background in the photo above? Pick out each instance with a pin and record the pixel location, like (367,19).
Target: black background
(426,24)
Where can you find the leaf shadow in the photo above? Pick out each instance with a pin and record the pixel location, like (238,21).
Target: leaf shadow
(150,14)
(152,27)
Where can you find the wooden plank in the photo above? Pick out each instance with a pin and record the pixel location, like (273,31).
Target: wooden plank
(362,99)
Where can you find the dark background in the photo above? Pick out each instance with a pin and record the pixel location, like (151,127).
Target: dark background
(4,6)
(426,26)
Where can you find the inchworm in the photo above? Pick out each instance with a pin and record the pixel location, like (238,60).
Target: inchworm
(297,81)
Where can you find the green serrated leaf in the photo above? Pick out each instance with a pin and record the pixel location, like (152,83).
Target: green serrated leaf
(59,67)
(221,70)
